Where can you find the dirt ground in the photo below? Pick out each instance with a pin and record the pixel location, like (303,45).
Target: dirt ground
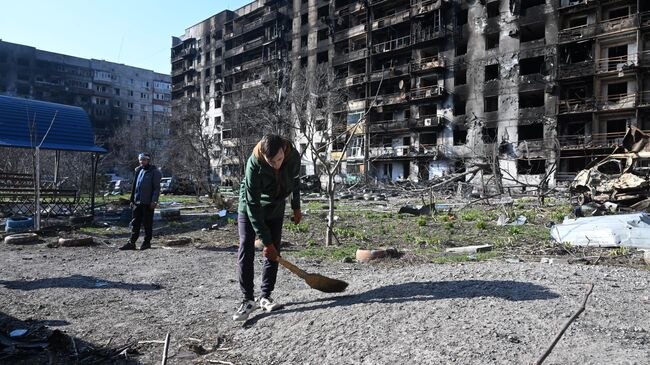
(423,308)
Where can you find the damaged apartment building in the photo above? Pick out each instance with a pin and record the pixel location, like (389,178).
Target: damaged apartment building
(535,89)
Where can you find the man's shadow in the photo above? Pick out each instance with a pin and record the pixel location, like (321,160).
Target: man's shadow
(422,291)
(75,281)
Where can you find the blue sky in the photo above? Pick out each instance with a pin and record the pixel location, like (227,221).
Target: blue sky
(135,33)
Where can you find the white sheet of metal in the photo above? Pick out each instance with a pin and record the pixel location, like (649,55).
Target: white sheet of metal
(631,230)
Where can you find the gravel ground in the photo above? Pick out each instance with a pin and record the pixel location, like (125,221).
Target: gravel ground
(492,312)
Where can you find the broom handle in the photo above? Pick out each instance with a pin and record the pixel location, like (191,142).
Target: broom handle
(293,268)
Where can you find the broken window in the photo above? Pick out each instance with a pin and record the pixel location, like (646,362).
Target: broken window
(616,125)
(492,9)
(460,137)
(323,11)
(530,132)
(617,51)
(492,40)
(226,134)
(321,35)
(459,106)
(577,52)
(303,41)
(428,139)
(303,19)
(406,141)
(321,57)
(491,72)
(491,104)
(531,32)
(619,13)
(533,65)
(460,77)
(489,135)
(577,22)
(461,49)
(531,99)
(525,4)
(462,16)
(616,90)
(531,167)
(611,167)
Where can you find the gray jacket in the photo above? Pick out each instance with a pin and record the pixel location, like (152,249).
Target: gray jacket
(150,187)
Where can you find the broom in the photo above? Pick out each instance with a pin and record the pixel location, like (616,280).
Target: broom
(315,281)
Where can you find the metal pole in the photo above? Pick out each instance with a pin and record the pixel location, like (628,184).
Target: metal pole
(94,161)
(37,190)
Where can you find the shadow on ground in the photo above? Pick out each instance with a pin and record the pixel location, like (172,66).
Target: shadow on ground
(75,281)
(423,291)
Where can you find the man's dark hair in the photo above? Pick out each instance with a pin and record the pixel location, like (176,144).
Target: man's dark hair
(271,145)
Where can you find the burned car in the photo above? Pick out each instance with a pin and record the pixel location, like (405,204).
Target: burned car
(620,178)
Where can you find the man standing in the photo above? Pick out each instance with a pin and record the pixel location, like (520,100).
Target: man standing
(144,199)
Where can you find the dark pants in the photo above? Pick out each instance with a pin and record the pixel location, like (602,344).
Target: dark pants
(246,255)
(142,215)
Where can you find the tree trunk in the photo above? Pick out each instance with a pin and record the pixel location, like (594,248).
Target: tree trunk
(330,212)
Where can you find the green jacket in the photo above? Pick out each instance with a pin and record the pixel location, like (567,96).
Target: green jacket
(260,196)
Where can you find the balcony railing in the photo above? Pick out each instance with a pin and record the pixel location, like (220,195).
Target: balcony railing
(618,24)
(393,125)
(349,32)
(570,3)
(596,140)
(392,19)
(355,79)
(349,57)
(391,72)
(270,15)
(428,63)
(428,34)
(577,106)
(392,45)
(616,101)
(617,64)
(426,92)
(578,69)
(394,98)
(576,33)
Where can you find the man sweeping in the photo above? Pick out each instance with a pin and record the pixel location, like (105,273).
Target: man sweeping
(272,174)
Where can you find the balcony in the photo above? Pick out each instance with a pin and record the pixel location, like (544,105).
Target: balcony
(349,57)
(389,73)
(357,104)
(617,64)
(616,102)
(390,152)
(421,7)
(429,63)
(254,43)
(578,69)
(428,34)
(353,80)
(587,105)
(644,99)
(251,25)
(566,4)
(644,19)
(393,19)
(427,121)
(349,32)
(392,45)
(384,126)
(576,33)
(390,99)
(427,92)
(618,24)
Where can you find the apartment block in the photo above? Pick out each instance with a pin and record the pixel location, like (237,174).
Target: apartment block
(527,89)
(111,93)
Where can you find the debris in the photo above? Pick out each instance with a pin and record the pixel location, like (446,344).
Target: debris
(170,213)
(470,249)
(564,328)
(646,256)
(630,230)
(513,261)
(181,241)
(165,349)
(17,333)
(503,220)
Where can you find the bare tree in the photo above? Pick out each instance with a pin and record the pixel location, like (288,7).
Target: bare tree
(193,146)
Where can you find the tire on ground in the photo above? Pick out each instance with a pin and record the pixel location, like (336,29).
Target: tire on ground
(21,238)
(76,241)
(19,224)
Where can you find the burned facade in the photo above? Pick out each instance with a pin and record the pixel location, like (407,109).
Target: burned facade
(530,89)
(112,94)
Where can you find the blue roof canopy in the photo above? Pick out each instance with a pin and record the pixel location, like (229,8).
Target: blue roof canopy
(71,129)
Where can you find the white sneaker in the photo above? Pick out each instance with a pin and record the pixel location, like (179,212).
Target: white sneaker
(268,305)
(245,308)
